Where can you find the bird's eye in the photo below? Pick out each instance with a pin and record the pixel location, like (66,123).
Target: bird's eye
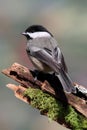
(28,36)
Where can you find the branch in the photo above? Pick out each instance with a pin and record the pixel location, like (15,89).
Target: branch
(47,83)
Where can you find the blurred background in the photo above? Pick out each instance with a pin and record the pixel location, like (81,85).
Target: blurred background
(67,20)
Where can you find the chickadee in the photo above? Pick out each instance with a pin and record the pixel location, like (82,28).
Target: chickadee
(46,56)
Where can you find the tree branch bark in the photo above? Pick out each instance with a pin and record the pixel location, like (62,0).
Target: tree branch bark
(25,77)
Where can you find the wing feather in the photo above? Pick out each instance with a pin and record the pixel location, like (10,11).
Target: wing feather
(45,57)
(58,56)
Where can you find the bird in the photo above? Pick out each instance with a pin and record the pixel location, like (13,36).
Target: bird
(44,52)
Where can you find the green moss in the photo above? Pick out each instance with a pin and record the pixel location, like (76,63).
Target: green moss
(75,119)
(55,109)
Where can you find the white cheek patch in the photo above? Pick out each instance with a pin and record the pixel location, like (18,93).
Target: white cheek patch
(39,34)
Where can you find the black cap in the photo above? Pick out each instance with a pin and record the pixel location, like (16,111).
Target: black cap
(37,28)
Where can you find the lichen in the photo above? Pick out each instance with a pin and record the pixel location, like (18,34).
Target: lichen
(55,110)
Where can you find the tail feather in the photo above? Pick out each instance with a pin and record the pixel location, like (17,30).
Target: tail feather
(66,82)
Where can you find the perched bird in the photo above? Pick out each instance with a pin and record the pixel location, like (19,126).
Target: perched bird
(45,54)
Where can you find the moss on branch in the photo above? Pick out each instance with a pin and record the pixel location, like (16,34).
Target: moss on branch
(55,110)
(68,109)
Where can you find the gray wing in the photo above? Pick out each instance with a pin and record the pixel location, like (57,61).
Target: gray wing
(51,50)
(50,46)
(45,57)
(63,75)
(58,56)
